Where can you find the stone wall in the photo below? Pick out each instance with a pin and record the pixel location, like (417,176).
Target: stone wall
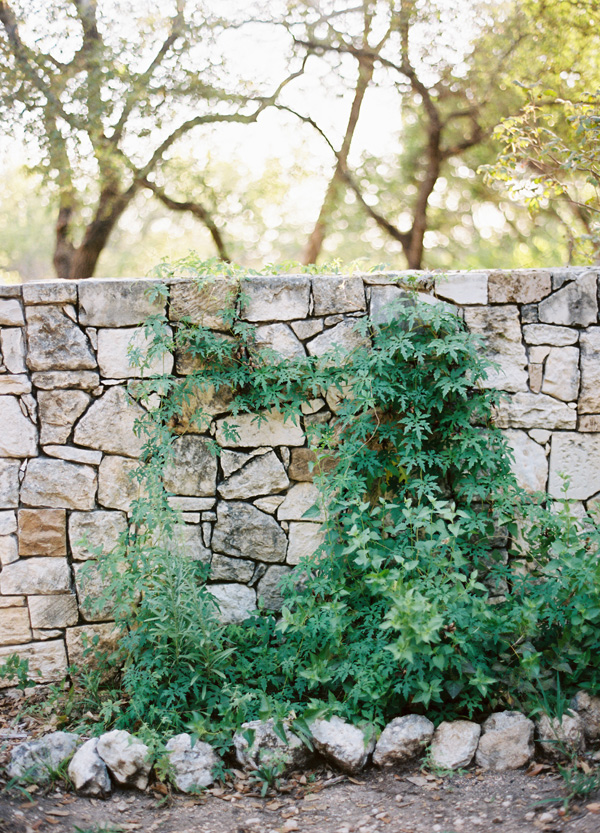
(67,444)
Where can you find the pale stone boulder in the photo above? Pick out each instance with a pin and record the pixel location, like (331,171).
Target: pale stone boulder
(259,476)
(11,313)
(55,342)
(576,304)
(587,707)
(344,745)
(402,739)
(272,431)
(577,456)
(343,336)
(57,484)
(114,358)
(269,587)
(35,576)
(281,339)
(500,330)
(530,464)
(304,540)
(454,744)
(191,766)
(47,660)
(117,303)
(9,483)
(42,532)
(13,350)
(244,531)
(280,298)
(232,461)
(561,373)
(53,611)
(116,485)
(589,399)
(301,498)
(506,742)
(236,601)
(463,287)
(257,744)
(18,435)
(58,411)
(269,504)
(88,772)
(127,759)
(14,626)
(109,424)
(194,468)
(561,739)
(203,303)
(338,293)
(37,760)
(532,410)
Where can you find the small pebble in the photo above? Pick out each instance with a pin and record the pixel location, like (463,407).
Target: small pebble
(529,816)
(544,817)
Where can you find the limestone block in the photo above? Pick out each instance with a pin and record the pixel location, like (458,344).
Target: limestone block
(342,744)
(9,550)
(589,422)
(224,568)
(500,331)
(385,301)
(98,530)
(117,303)
(344,336)
(267,747)
(402,739)
(260,476)
(232,461)
(14,384)
(561,373)
(269,587)
(307,329)
(192,504)
(194,468)
(530,464)
(9,483)
(271,431)
(534,410)
(280,298)
(47,660)
(305,539)
(109,424)
(82,644)
(115,361)
(13,350)
(73,455)
(14,626)
(11,290)
(281,339)
(454,743)
(57,484)
(42,532)
(116,484)
(576,304)
(60,379)
(269,504)
(35,576)
(546,334)
(338,293)
(128,760)
(50,292)
(536,377)
(88,772)
(12,601)
(90,586)
(522,286)
(506,742)
(55,342)
(18,435)
(198,406)
(578,457)
(463,287)
(561,738)
(589,399)
(203,304)
(191,766)
(236,601)
(300,498)
(53,611)
(244,531)
(188,541)
(11,314)
(8,522)
(58,411)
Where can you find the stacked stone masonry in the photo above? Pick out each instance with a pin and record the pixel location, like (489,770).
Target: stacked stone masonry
(67,440)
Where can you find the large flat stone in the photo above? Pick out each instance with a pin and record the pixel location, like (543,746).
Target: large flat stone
(530,464)
(59,379)
(197,405)
(55,342)
(114,354)
(523,286)
(280,339)
(109,424)
(344,337)
(9,484)
(561,373)
(18,435)
(589,398)
(576,304)
(236,601)
(301,498)
(271,431)
(578,457)
(50,292)
(57,484)
(14,626)
(535,410)
(500,330)
(194,468)
(73,455)
(35,576)
(58,410)
(42,532)
(53,611)
(202,303)
(261,475)
(280,298)
(116,485)
(244,531)
(463,287)
(47,660)
(117,303)
(305,539)
(13,349)
(98,530)
(338,293)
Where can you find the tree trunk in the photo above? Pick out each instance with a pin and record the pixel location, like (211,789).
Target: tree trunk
(63,248)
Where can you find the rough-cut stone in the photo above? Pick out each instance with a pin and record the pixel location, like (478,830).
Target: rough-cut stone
(304,540)
(194,468)
(561,739)
(14,626)
(576,304)
(109,424)
(546,334)
(88,772)
(522,286)
(232,461)
(236,601)
(192,504)
(18,435)
(14,384)
(9,550)
(561,373)
(97,530)
(454,744)
(127,758)
(224,568)
(260,476)
(301,498)
(116,485)
(344,336)
(117,303)
(506,742)
(85,641)
(73,455)
(300,466)
(191,766)
(9,484)
(269,504)
(35,575)
(58,611)
(272,431)
(307,329)
(531,410)
(188,541)
(344,745)
(56,483)
(280,338)
(115,361)
(90,585)
(269,587)
(589,399)
(58,411)
(13,350)
(42,532)
(578,457)
(257,744)
(203,304)
(402,739)
(386,301)
(11,314)
(55,342)
(245,532)
(50,292)
(338,293)
(37,760)
(47,660)
(588,708)
(12,601)
(197,406)
(8,522)
(280,298)
(500,330)
(463,287)
(60,379)
(530,464)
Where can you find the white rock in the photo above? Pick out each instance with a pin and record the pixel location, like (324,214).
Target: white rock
(109,302)
(194,468)
(574,304)
(15,627)
(589,399)
(114,358)
(58,379)
(54,611)
(281,339)
(109,424)
(280,298)
(530,464)
(269,587)
(506,742)
(43,575)
(57,484)
(116,485)
(188,541)
(127,759)
(338,293)
(8,522)
(534,410)
(88,771)
(50,292)
(54,342)
(269,504)
(73,455)
(9,483)
(402,739)
(307,329)
(547,334)
(272,431)
(463,287)
(236,601)
(47,660)
(36,760)
(577,456)
(588,708)
(300,498)
(11,313)
(304,540)
(101,529)
(344,745)
(454,744)
(18,435)
(13,350)
(500,330)
(261,474)
(343,336)
(9,551)
(561,373)
(203,302)
(561,739)
(257,744)
(14,384)
(224,568)
(58,411)
(192,766)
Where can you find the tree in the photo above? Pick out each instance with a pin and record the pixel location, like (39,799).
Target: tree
(105,92)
